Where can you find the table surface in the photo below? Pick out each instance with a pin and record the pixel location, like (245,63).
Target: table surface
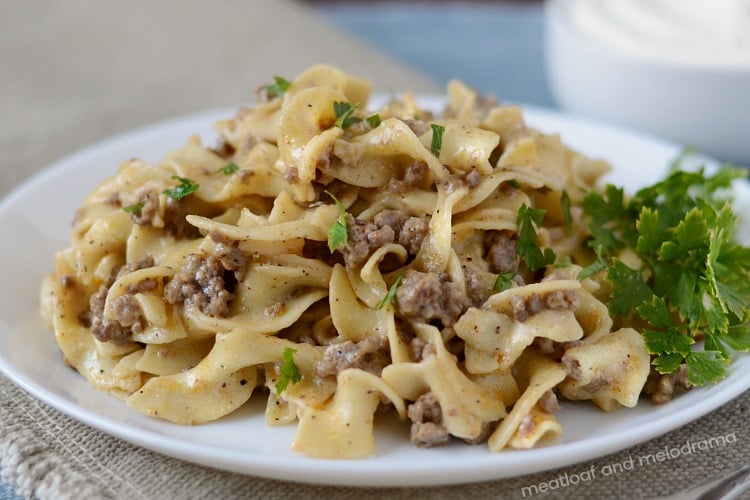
(79,73)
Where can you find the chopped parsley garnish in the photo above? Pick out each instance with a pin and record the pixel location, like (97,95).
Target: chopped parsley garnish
(388,298)
(135,208)
(373,120)
(343,112)
(288,372)
(598,265)
(565,207)
(279,87)
(185,188)
(504,281)
(337,234)
(693,279)
(229,168)
(528,245)
(437,138)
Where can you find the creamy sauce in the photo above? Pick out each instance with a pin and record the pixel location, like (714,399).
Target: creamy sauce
(713,32)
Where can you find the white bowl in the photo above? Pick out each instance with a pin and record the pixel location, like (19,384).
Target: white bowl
(702,103)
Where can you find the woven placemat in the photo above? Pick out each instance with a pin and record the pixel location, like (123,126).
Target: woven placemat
(48,455)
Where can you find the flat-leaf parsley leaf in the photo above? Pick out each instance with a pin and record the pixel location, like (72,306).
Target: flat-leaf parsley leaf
(135,208)
(288,372)
(279,87)
(503,282)
(337,234)
(229,168)
(388,297)
(437,138)
(185,188)
(343,111)
(690,278)
(528,245)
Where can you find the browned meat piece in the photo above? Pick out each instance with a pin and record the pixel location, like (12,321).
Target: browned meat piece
(419,127)
(501,252)
(363,238)
(223,148)
(128,316)
(144,263)
(413,233)
(126,310)
(175,222)
(388,226)
(429,296)
(230,255)
(291,175)
(559,300)
(548,402)
(476,289)
(483,435)
(393,218)
(107,330)
(662,387)
(427,430)
(467,179)
(415,177)
(174,215)
(371,355)
(200,283)
(145,285)
(149,208)
(572,368)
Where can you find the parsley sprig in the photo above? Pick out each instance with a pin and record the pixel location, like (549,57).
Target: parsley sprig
(694,279)
(437,138)
(279,87)
(388,297)
(185,188)
(337,234)
(229,168)
(528,245)
(135,208)
(504,281)
(344,114)
(373,120)
(288,372)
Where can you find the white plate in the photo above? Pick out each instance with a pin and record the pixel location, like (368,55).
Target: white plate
(35,221)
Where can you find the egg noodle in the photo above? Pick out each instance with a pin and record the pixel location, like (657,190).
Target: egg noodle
(342,261)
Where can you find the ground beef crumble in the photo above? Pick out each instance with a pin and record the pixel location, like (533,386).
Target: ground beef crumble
(558,300)
(501,252)
(662,387)
(388,226)
(427,429)
(174,215)
(416,176)
(548,402)
(467,179)
(229,254)
(371,355)
(127,314)
(429,296)
(201,283)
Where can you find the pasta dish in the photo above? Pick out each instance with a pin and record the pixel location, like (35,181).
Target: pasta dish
(343,262)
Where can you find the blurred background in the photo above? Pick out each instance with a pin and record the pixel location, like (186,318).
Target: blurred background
(494,46)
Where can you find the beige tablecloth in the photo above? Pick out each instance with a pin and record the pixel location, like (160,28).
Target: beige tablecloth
(74,72)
